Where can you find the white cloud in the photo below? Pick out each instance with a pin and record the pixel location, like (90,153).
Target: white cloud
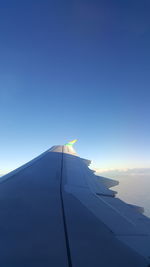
(3,172)
(123,171)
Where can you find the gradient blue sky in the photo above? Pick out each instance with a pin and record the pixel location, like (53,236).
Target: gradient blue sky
(75,69)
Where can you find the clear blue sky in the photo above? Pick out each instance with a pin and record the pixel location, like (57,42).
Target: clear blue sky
(75,69)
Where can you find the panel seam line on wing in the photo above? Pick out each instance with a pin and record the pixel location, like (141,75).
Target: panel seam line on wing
(63,214)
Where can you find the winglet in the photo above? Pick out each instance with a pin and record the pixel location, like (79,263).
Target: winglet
(71,143)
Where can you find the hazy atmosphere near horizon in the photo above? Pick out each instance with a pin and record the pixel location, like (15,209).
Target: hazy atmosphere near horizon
(77,69)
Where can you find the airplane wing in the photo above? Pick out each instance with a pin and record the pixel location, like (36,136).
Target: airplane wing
(54,211)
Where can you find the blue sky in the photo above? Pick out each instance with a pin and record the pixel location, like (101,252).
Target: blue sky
(75,69)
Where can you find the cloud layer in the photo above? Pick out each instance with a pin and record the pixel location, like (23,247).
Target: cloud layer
(133,187)
(123,172)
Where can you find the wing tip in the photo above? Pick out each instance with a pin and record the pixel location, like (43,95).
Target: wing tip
(71,143)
